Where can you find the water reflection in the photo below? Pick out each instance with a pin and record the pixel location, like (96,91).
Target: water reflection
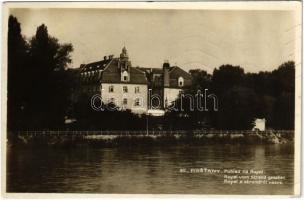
(145,170)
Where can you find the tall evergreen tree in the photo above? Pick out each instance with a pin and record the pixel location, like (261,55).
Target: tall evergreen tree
(38,90)
(48,62)
(16,84)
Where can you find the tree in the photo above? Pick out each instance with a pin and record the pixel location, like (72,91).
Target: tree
(17,59)
(47,92)
(200,79)
(226,77)
(284,78)
(284,110)
(35,76)
(242,97)
(237,109)
(106,118)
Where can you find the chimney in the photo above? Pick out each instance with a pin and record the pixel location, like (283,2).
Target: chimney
(105,58)
(166,67)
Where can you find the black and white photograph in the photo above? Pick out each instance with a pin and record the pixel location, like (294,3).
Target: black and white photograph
(152,98)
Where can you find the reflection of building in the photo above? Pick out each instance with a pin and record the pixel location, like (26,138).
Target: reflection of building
(126,86)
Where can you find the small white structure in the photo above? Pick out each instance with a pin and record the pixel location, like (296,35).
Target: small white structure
(259,124)
(156,112)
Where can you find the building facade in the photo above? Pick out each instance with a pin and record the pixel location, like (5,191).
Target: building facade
(166,83)
(128,87)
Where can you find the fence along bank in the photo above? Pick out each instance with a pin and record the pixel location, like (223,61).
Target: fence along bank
(116,138)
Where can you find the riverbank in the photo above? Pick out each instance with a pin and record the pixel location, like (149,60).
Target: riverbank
(131,138)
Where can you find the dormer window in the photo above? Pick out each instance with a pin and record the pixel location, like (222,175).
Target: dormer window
(125,76)
(180,81)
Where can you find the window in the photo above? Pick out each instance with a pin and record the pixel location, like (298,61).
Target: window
(111,88)
(125,76)
(125,101)
(125,89)
(180,81)
(137,102)
(137,89)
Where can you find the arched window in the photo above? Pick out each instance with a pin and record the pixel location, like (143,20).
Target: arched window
(180,81)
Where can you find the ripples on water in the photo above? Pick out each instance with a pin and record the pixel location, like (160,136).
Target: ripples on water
(145,170)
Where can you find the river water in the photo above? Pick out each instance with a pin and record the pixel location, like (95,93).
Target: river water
(164,170)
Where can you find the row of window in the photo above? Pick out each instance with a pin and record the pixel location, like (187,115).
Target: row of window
(137,101)
(89,73)
(90,89)
(124,89)
(157,80)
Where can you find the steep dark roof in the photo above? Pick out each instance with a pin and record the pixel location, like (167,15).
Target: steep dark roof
(176,72)
(111,74)
(157,70)
(99,65)
(107,71)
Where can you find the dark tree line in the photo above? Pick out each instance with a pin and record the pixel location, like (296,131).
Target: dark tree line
(40,88)
(242,97)
(37,79)
(108,119)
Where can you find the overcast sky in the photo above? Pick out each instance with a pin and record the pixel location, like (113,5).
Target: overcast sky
(255,40)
